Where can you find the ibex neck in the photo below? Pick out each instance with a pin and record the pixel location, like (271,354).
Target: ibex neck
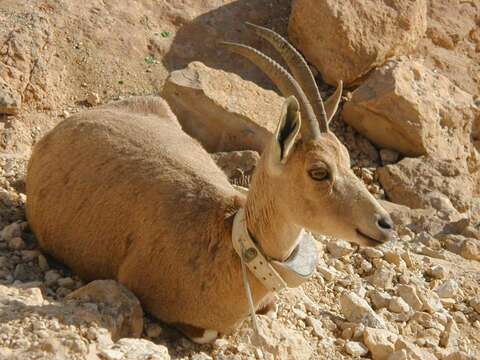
(275,233)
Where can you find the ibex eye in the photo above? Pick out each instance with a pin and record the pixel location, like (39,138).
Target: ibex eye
(318,174)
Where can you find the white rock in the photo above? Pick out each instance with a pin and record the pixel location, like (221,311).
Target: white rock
(382,278)
(398,305)
(355,348)
(409,294)
(357,310)
(448,289)
(449,337)
(131,349)
(379,299)
(437,272)
(373,253)
(379,342)
(339,248)
(398,355)
(201,356)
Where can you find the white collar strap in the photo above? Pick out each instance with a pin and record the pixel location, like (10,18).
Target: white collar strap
(274,275)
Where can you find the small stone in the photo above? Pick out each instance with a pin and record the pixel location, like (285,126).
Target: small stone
(355,348)
(16,243)
(373,253)
(153,330)
(460,317)
(65,113)
(398,305)
(448,289)
(398,355)
(379,299)
(93,99)
(66,282)
(339,248)
(26,273)
(63,291)
(10,100)
(357,310)
(430,300)
(379,342)
(317,327)
(29,255)
(459,355)
(327,273)
(51,277)
(43,263)
(382,278)
(475,303)
(449,337)
(201,356)
(389,156)
(11,231)
(409,294)
(437,272)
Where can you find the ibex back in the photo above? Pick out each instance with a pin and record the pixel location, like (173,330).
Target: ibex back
(122,192)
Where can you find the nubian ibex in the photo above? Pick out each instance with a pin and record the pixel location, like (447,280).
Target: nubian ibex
(122,192)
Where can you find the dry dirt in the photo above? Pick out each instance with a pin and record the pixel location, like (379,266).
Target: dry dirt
(57,54)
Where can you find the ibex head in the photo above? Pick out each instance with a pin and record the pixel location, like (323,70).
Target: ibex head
(305,171)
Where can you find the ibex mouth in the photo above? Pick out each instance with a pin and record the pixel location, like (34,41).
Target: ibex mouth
(370,240)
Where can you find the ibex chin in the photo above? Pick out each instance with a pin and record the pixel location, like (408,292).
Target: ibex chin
(122,192)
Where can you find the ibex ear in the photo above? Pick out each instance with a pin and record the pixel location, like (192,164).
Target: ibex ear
(331,104)
(287,130)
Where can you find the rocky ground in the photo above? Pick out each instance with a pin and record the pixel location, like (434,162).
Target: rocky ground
(410,118)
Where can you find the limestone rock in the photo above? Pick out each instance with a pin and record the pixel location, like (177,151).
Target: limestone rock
(221,110)
(355,348)
(345,39)
(398,305)
(409,294)
(382,278)
(133,349)
(405,107)
(339,248)
(124,307)
(422,182)
(437,272)
(413,351)
(381,343)
(357,310)
(277,339)
(450,336)
(379,299)
(10,100)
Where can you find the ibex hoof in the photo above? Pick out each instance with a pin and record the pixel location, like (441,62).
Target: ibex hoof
(208,336)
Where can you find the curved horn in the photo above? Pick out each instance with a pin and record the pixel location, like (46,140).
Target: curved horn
(284,81)
(331,104)
(300,70)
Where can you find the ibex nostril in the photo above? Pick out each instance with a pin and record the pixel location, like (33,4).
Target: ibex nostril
(385,224)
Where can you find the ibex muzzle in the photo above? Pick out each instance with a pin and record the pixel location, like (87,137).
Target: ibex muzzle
(122,192)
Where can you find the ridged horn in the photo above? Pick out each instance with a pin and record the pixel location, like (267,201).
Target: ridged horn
(300,70)
(285,83)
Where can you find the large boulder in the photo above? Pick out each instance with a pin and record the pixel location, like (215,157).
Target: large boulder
(220,109)
(408,108)
(345,39)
